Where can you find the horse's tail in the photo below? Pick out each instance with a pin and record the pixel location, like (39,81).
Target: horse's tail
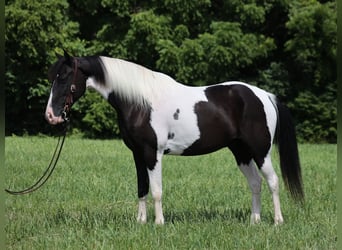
(288,152)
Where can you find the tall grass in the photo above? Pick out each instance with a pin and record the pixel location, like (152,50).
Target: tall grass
(90,201)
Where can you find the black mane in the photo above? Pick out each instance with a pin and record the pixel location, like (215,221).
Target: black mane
(93,66)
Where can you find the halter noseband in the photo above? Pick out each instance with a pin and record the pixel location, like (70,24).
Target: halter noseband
(69,100)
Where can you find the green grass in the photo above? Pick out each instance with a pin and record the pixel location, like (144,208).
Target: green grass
(90,201)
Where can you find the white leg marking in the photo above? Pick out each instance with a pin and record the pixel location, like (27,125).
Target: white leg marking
(254,181)
(273,184)
(155,177)
(142,215)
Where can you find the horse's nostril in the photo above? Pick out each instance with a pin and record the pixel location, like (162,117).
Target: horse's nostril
(49,116)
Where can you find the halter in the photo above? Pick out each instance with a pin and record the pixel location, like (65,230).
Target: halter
(69,100)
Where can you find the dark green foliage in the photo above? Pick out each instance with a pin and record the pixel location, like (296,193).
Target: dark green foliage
(286,47)
(317,115)
(33,30)
(311,50)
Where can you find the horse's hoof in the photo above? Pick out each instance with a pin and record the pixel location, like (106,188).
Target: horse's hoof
(255,219)
(159,221)
(142,220)
(278,221)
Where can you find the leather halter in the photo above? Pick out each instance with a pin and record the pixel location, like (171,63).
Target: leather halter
(69,100)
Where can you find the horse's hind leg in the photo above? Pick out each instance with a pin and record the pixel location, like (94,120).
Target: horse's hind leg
(273,184)
(254,181)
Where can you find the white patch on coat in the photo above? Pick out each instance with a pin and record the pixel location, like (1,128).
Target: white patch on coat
(103,89)
(184,125)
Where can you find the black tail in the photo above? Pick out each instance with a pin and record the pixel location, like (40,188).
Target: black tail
(288,152)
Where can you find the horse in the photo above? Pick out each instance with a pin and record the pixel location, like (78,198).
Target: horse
(159,116)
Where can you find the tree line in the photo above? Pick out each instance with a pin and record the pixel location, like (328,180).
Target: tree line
(287,47)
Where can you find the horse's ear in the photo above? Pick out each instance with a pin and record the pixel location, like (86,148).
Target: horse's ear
(67,58)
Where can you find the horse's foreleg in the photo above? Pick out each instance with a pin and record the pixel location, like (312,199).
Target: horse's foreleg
(273,184)
(142,215)
(143,186)
(254,181)
(155,177)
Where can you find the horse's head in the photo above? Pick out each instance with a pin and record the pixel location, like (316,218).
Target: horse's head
(68,85)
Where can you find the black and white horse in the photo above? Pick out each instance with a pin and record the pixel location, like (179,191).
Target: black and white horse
(159,116)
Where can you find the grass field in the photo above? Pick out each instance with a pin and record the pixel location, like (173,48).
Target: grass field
(90,201)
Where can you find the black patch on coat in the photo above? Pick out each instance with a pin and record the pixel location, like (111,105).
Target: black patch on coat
(233,117)
(139,136)
(93,66)
(170,136)
(176,114)
(167,151)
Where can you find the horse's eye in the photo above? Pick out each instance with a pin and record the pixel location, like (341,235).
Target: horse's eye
(61,78)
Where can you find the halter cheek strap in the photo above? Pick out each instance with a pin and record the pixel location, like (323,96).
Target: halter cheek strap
(75,72)
(69,100)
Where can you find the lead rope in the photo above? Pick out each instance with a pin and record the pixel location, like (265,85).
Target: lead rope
(49,169)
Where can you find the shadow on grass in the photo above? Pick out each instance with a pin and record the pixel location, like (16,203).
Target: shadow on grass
(208,215)
(100,218)
(88,218)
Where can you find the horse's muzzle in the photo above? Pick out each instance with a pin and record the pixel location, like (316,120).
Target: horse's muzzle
(51,118)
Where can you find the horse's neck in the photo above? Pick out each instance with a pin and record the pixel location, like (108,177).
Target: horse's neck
(136,84)
(122,105)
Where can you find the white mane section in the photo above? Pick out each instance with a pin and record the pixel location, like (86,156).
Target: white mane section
(135,83)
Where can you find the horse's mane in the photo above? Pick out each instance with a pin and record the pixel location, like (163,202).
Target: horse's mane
(135,83)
